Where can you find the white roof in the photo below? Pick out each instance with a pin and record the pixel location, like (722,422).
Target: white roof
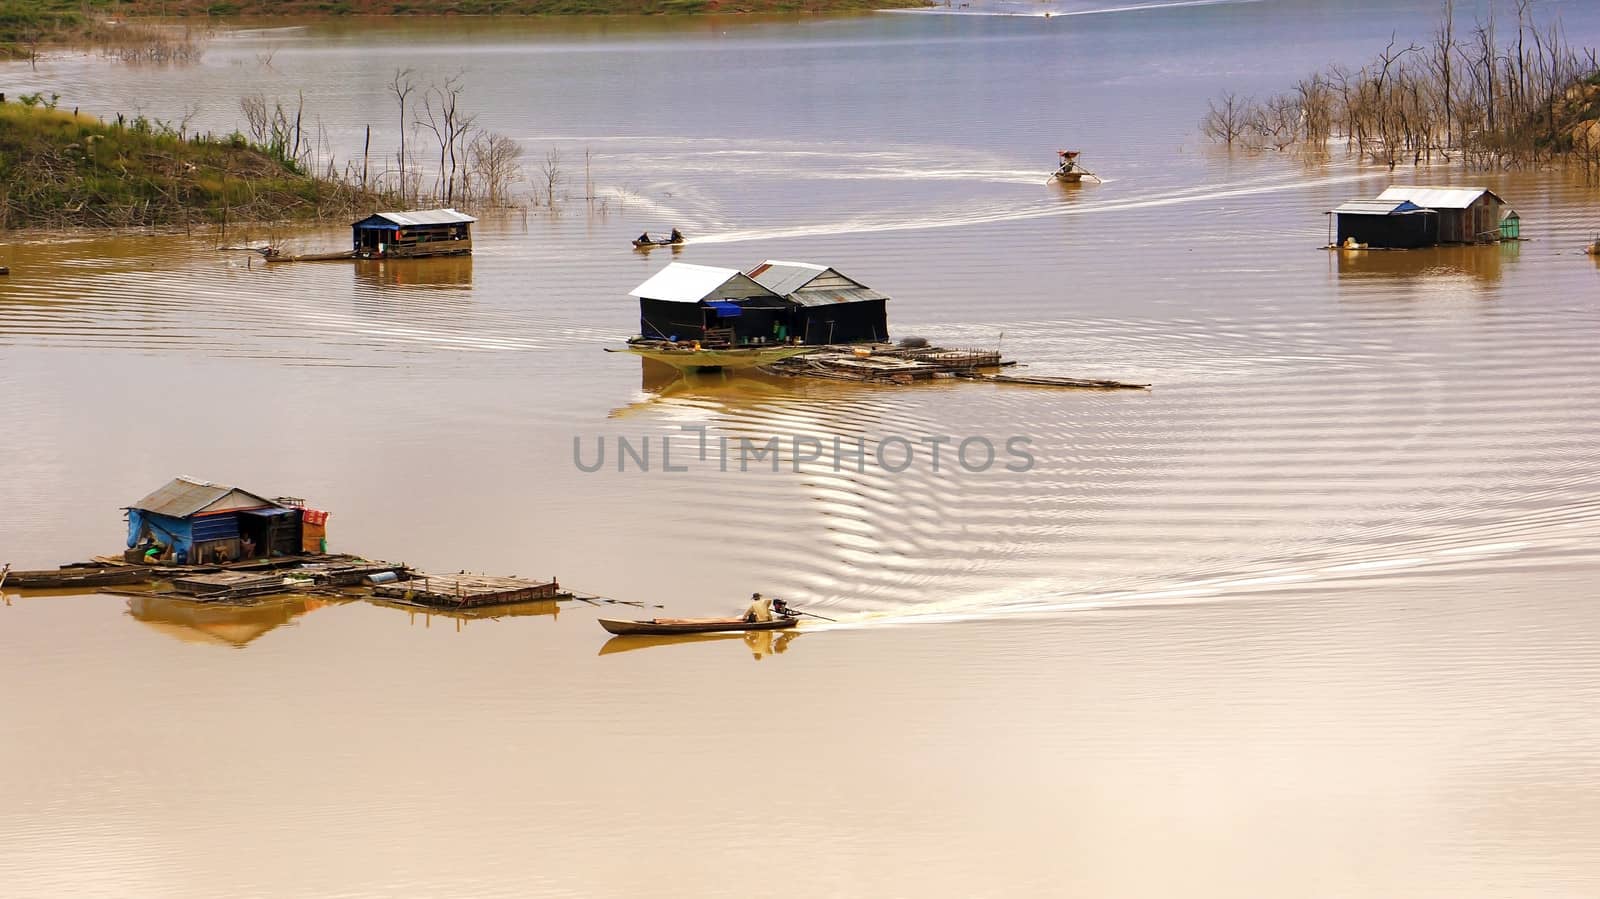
(1438,197)
(426,217)
(681,282)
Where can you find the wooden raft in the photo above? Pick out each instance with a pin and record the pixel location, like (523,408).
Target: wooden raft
(465,591)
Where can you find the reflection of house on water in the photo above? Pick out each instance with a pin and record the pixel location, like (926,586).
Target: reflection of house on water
(460,617)
(217,624)
(437,273)
(1477,263)
(725,391)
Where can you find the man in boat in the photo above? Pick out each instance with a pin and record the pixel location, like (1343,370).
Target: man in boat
(677,236)
(760,609)
(764,609)
(643,238)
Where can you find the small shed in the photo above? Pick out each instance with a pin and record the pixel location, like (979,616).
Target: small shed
(427,232)
(1511,226)
(716,306)
(1386,223)
(1466,214)
(200,522)
(826,306)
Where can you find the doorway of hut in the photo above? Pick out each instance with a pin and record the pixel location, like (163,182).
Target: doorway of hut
(372,242)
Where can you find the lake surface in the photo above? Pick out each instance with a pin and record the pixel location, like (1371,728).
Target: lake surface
(1311,617)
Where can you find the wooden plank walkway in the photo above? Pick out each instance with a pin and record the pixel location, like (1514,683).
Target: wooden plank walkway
(459,591)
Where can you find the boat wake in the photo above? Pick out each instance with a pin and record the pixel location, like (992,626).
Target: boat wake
(1001,214)
(1566,534)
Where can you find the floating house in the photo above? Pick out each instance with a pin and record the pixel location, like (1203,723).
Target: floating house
(1406,217)
(428,232)
(715,306)
(775,303)
(828,307)
(199,522)
(1386,223)
(1466,214)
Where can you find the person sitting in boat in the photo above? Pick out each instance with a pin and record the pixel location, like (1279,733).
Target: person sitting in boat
(760,609)
(643,238)
(677,236)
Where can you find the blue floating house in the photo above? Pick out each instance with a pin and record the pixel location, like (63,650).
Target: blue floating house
(200,522)
(428,232)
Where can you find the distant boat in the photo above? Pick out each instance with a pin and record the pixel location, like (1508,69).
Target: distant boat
(692,625)
(646,242)
(691,356)
(1068,171)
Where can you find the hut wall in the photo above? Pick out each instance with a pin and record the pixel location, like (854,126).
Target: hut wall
(1485,218)
(660,318)
(1453,226)
(861,322)
(1417,229)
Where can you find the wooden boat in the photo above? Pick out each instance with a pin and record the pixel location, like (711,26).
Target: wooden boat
(1069,171)
(692,625)
(68,578)
(675,240)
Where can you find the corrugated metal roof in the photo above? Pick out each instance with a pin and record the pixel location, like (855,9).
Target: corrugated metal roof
(423,217)
(790,280)
(1438,197)
(1377,207)
(784,278)
(681,282)
(182,497)
(823,296)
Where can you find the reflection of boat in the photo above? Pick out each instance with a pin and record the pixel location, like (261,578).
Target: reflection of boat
(693,625)
(692,355)
(1069,171)
(760,643)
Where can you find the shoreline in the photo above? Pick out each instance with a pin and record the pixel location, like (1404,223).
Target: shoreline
(61,23)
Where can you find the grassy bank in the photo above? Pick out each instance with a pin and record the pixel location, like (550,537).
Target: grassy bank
(26,24)
(62,170)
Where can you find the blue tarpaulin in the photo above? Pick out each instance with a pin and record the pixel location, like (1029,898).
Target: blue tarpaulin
(724,308)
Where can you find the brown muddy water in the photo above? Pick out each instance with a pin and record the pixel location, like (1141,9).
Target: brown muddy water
(1312,617)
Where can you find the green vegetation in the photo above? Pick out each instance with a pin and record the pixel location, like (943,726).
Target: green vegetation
(1463,95)
(58,169)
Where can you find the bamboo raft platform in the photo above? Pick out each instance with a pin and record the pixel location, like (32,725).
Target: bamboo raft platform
(465,591)
(1054,381)
(335,570)
(885,363)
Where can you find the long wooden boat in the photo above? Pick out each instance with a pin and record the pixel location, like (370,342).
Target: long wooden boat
(67,578)
(692,625)
(656,242)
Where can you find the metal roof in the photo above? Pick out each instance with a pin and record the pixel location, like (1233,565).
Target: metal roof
(681,282)
(1377,207)
(791,280)
(182,497)
(422,217)
(1438,197)
(826,296)
(783,278)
